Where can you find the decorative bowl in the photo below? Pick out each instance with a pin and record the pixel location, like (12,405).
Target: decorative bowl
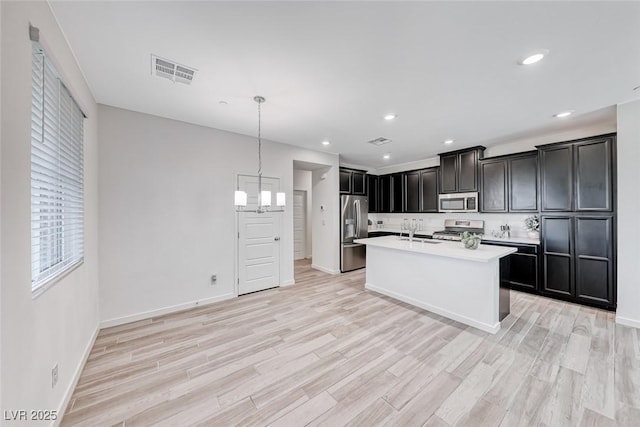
(470,241)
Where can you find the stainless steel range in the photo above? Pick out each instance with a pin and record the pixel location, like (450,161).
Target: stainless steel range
(453,228)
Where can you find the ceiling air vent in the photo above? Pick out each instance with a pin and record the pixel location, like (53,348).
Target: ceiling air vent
(379,141)
(171,70)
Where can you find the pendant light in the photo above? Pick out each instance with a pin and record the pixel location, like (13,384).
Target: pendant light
(264,196)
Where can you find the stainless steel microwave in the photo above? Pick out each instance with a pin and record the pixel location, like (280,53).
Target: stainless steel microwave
(458,202)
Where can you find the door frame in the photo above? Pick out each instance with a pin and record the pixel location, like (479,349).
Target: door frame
(306,220)
(236,245)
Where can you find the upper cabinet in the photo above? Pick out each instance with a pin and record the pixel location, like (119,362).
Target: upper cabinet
(397,192)
(556,178)
(429,190)
(594,174)
(578,175)
(384,194)
(352,182)
(372,193)
(523,182)
(493,185)
(345,181)
(449,173)
(459,170)
(509,183)
(410,192)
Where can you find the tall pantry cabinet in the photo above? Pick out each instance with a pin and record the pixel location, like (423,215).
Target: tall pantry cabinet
(577,184)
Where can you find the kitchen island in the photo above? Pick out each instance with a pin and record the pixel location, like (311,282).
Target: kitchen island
(441,277)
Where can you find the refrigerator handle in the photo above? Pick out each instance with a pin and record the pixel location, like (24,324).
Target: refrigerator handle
(357,217)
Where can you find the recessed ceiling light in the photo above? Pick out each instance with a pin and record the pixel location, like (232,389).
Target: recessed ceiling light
(223,102)
(636,88)
(390,116)
(534,57)
(563,114)
(386,156)
(326,142)
(448,141)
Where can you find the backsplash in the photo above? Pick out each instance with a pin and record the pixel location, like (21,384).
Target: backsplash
(492,222)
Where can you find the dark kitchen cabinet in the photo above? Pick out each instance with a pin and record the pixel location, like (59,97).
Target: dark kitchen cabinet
(345,181)
(578,175)
(493,187)
(594,175)
(556,177)
(578,258)
(509,183)
(459,170)
(449,173)
(520,270)
(557,251)
(384,194)
(372,193)
(412,191)
(594,259)
(359,183)
(352,182)
(397,192)
(523,182)
(429,190)
(468,170)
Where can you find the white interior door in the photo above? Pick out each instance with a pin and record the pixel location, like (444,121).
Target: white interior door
(299,224)
(258,240)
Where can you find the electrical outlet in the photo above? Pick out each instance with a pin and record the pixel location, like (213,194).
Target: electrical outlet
(214,279)
(54,376)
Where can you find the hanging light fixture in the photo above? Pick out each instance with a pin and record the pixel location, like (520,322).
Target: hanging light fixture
(264,196)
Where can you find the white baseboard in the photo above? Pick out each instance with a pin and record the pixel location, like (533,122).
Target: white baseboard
(165,310)
(76,376)
(628,322)
(288,283)
(324,269)
(437,310)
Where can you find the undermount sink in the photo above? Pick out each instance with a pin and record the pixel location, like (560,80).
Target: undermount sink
(420,240)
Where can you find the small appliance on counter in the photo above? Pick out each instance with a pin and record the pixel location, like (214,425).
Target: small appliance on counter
(453,229)
(353,225)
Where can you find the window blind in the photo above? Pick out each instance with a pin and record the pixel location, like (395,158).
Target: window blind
(57,175)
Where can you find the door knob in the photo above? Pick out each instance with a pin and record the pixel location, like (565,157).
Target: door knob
(277,238)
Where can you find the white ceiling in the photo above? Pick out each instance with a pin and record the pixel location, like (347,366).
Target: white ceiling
(332,70)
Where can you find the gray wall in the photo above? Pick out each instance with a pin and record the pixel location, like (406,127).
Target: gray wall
(58,326)
(628,145)
(167,220)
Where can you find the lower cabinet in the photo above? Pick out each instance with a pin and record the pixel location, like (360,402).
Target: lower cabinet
(578,258)
(520,270)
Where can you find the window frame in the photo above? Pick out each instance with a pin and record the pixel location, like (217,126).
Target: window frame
(57,192)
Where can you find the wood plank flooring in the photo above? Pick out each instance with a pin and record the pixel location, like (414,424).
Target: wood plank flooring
(327,352)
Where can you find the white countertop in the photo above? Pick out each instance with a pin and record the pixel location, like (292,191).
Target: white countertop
(525,240)
(428,231)
(484,253)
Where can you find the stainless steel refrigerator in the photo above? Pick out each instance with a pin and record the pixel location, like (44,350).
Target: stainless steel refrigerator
(353,225)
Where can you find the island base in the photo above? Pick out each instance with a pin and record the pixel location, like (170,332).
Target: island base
(466,291)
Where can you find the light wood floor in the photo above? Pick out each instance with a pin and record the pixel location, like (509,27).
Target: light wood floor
(327,352)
